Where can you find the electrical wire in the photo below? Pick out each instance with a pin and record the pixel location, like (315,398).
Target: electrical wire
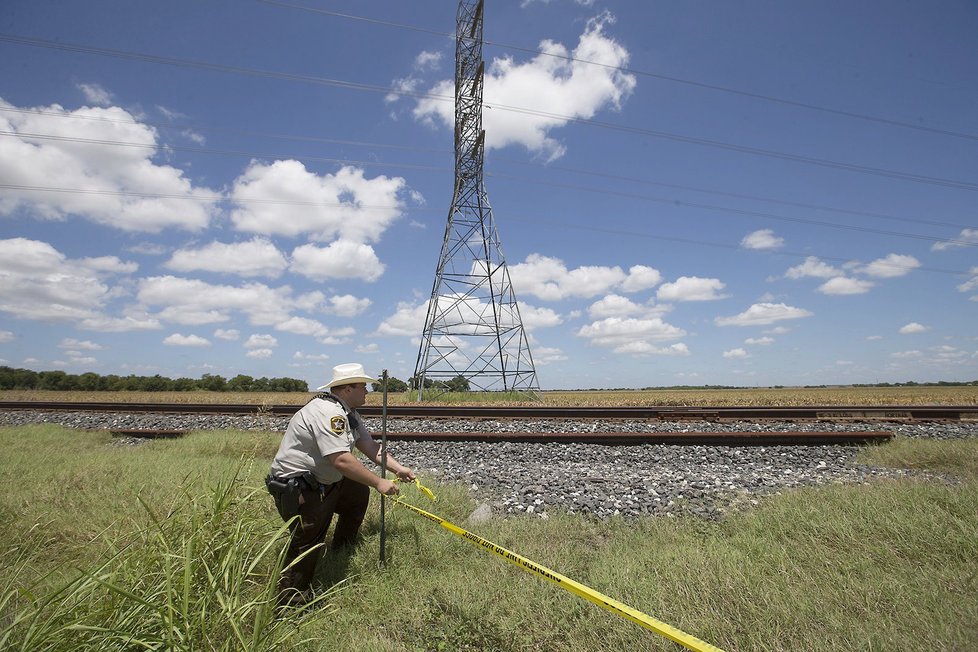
(643,73)
(743,149)
(446,152)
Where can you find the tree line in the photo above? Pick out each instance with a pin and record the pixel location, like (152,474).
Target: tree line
(11,378)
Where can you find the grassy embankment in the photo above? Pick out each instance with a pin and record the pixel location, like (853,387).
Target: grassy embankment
(171,544)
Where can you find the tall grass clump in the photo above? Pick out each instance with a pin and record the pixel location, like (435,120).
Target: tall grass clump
(201,576)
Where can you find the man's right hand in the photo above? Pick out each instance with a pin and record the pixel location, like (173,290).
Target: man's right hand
(386,487)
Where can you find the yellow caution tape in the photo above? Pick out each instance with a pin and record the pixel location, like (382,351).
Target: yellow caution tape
(664,629)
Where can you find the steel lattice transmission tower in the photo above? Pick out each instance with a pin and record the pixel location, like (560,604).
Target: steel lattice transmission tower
(473,328)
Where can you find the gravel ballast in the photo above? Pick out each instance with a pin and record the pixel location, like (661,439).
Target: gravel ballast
(603,481)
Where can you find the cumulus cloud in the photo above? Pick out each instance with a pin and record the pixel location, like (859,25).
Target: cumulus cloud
(95,94)
(813,267)
(845,285)
(339,259)
(761,314)
(185,340)
(120,187)
(256,257)
(260,341)
(759,341)
(347,305)
(966,238)
(627,334)
(544,355)
(39,282)
(284,198)
(736,354)
(192,301)
(549,279)
(891,266)
(912,328)
(971,284)
(691,288)
(549,90)
(534,318)
(407,320)
(229,334)
(762,239)
(641,277)
(72,343)
(6,336)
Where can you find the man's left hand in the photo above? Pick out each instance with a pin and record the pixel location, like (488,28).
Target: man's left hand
(406,474)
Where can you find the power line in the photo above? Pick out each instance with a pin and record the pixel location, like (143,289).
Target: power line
(850,167)
(517,218)
(318,139)
(719,245)
(738,211)
(645,73)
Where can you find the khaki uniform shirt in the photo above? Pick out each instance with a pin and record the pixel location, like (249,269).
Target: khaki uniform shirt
(319,429)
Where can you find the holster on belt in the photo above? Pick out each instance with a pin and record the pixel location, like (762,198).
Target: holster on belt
(286,495)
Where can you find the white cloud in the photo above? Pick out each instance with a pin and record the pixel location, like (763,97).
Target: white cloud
(427,60)
(844,285)
(72,343)
(256,257)
(339,259)
(284,198)
(967,236)
(259,354)
(310,357)
(762,239)
(812,267)
(260,341)
(630,335)
(533,318)
(643,348)
(193,301)
(691,288)
(614,305)
(970,284)
(95,94)
(548,90)
(912,328)
(7,336)
(641,277)
(348,305)
(549,279)
(120,187)
(544,355)
(736,354)
(229,334)
(907,355)
(185,340)
(759,341)
(39,282)
(407,320)
(367,348)
(891,266)
(761,314)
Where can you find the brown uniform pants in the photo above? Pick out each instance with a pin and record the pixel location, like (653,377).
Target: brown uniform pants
(348,500)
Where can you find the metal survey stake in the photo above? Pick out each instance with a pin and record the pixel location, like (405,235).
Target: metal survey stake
(383,467)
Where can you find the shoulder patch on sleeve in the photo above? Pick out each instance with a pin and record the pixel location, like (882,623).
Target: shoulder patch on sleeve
(337,424)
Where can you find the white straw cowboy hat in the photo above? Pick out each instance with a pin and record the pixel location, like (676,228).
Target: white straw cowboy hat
(346,374)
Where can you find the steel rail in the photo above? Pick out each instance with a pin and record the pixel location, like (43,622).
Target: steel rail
(749,438)
(642,413)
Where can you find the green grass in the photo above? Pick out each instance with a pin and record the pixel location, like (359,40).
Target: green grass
(175,544)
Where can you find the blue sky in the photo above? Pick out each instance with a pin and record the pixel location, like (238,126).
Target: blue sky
(749,193)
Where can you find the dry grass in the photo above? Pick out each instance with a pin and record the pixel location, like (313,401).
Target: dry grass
(760,396)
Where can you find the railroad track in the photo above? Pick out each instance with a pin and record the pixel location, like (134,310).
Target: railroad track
(613,438)
(898,413)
